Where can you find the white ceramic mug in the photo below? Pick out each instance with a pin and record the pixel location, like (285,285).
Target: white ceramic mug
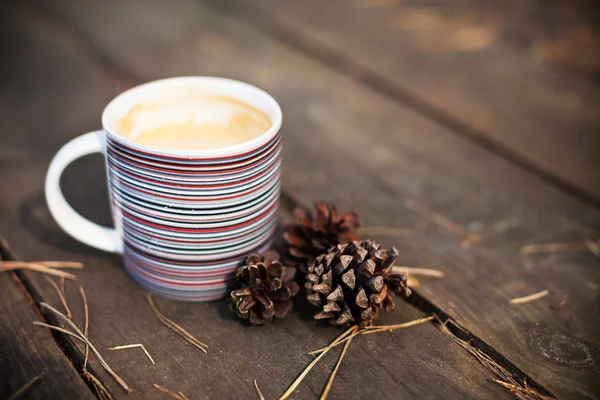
(225,191)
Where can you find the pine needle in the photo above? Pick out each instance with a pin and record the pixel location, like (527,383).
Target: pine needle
(131,346)
(524,393)
(61,295)
(85,340)
(101,391)
(80,335)
(24,389)
(178,329)
(260,395)
(389,328)
(299,380)
(444,222)
(334,344)
(86,324)
(178,396)
(48,264)
(373,329)
(552,248)
(434,273)
(530,298)
(335,370)
(13,265)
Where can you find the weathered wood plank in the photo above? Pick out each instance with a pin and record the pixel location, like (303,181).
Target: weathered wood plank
(456,62)
(407,362)
(354,147)
(27,351)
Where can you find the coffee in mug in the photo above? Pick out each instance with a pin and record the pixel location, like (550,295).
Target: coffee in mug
(191,119)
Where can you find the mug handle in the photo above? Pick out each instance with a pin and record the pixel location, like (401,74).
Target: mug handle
(69,220)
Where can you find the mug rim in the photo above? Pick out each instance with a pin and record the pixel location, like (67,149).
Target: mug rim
(219,153)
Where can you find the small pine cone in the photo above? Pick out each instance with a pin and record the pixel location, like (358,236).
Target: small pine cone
(313,234)
(352,282)
(264,289)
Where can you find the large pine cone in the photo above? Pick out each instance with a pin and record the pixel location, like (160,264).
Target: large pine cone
(352,282)
(264,289)
(314,233)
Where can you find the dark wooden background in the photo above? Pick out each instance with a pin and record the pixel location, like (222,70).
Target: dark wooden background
(487,112)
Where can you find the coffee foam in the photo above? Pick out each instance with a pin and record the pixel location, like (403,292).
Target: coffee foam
(187,120)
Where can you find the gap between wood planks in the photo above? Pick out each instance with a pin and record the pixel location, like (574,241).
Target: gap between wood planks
(64,342)
(262,21)
(290,201)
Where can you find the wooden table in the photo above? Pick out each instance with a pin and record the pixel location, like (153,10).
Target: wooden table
(486,112)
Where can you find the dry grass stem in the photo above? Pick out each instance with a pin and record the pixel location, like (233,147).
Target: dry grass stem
(444,222)
(80,335)
(61,296)
(178,329)
(335,370)
(508,380)
(178,396)
(131,346)
(530,298)
(314,362)
(183,396)
(390,328)
(48,264)
(24,389)
(552,248)
(14,265)
(434,273)
(86,324)
(258,392)
(372,329)
(386,230)
(593,247)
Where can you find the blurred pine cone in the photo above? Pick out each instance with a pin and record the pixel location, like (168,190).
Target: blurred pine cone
(352,282)
(264,289)
(314,233)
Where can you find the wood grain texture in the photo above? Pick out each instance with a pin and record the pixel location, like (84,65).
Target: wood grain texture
(355,147)
(457,63)
(403,364)
(27,351)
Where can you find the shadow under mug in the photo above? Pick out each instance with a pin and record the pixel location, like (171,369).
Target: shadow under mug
(183,219)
